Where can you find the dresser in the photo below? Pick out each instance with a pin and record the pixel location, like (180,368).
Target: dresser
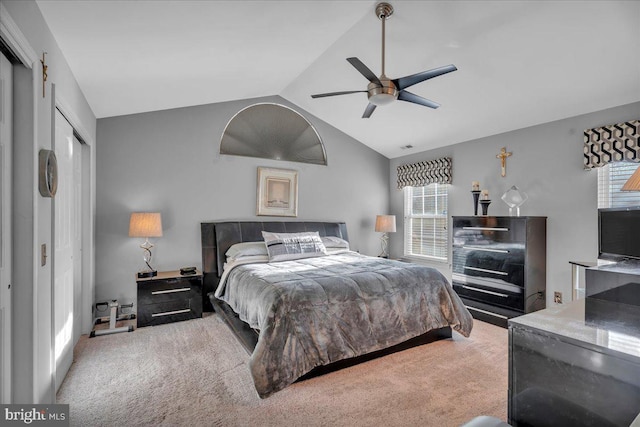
(169,297)
(499,265)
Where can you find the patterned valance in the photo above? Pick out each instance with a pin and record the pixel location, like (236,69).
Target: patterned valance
(423,173)
(613,143)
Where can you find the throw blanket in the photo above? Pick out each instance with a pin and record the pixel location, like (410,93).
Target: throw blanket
(316,311)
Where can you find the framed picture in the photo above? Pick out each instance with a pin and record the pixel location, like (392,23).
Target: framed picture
(277,192)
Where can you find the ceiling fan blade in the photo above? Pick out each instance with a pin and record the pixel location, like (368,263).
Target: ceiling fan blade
(364,70)
(322,95)
(412,97)
(405,82)
(368,111)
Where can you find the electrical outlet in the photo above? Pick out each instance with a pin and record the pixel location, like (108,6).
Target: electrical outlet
(557,297)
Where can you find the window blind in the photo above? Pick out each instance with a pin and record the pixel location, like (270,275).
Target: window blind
(611,178)
(425,221)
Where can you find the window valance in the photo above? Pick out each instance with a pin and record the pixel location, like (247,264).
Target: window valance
(423,173)
(613,143)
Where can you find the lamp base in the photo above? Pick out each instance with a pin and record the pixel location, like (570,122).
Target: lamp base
(143,274)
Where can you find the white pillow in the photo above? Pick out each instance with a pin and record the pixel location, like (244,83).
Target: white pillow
(245,249)
(287,246)
(334,242)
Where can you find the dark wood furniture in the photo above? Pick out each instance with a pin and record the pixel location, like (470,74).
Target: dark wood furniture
(567,370)
(169,297)
(218,237)
(499,265)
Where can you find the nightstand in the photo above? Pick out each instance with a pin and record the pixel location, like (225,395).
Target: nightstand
(169,297)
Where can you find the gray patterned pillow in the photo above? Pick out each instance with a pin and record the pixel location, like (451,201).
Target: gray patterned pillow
(287,246)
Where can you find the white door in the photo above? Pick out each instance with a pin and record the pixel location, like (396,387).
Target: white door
(6,108)
(77,240)
(64,230)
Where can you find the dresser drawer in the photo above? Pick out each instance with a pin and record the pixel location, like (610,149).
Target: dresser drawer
(489,230)
(490,295)
(167,312)
(500,267)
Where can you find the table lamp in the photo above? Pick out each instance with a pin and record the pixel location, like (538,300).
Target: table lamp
(385,224)
(146,224)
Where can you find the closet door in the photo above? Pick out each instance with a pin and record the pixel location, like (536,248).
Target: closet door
(65,218)
(76,242)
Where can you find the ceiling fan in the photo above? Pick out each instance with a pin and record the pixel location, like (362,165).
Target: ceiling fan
(383,90)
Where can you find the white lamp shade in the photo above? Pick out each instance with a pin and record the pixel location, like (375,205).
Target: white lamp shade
(145,224)
(633,183)
(386,223)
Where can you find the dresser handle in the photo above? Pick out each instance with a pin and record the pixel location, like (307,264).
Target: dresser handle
(486,292)
(484,270)
(486,228)
(169,313)
(171,291)
(477,248)
(487,312)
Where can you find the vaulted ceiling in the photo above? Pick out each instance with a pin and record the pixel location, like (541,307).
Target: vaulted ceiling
(520,63)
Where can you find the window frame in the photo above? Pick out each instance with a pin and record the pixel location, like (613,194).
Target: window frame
(439,190)
(611,178)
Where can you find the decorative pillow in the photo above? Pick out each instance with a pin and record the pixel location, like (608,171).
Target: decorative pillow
(287,246)
(245,249)
(334,242)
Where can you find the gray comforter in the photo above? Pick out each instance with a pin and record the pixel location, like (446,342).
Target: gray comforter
(315,311)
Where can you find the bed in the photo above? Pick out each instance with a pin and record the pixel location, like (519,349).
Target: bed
(302,316)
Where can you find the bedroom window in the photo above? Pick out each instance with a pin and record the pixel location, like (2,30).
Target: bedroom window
(425,222)
(611,178)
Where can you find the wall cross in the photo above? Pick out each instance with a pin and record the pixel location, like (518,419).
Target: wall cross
(503,160)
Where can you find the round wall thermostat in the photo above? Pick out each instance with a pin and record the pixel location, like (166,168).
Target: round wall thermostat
(48,173)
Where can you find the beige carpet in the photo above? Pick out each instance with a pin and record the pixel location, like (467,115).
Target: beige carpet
(194,373)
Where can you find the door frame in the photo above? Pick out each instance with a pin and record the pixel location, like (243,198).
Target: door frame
(18,44)
(6,193)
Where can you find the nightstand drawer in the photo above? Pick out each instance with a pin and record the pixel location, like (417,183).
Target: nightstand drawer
(153,292)
(167,312)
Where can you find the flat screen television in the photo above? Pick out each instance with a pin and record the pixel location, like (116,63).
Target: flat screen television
(619,233)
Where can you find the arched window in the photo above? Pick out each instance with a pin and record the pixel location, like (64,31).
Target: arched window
(272,131)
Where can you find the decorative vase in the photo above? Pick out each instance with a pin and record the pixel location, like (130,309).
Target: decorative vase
(476,197)
(485,206)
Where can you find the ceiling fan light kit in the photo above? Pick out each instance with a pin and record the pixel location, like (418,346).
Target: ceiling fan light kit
(383,90)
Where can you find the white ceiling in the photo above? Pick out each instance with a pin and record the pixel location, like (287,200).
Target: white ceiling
(520,63)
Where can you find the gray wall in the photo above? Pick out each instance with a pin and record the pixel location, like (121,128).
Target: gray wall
(547,164)
(169,161)
(32,290)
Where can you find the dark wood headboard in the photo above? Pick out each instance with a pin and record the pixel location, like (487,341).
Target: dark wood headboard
(218,237)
